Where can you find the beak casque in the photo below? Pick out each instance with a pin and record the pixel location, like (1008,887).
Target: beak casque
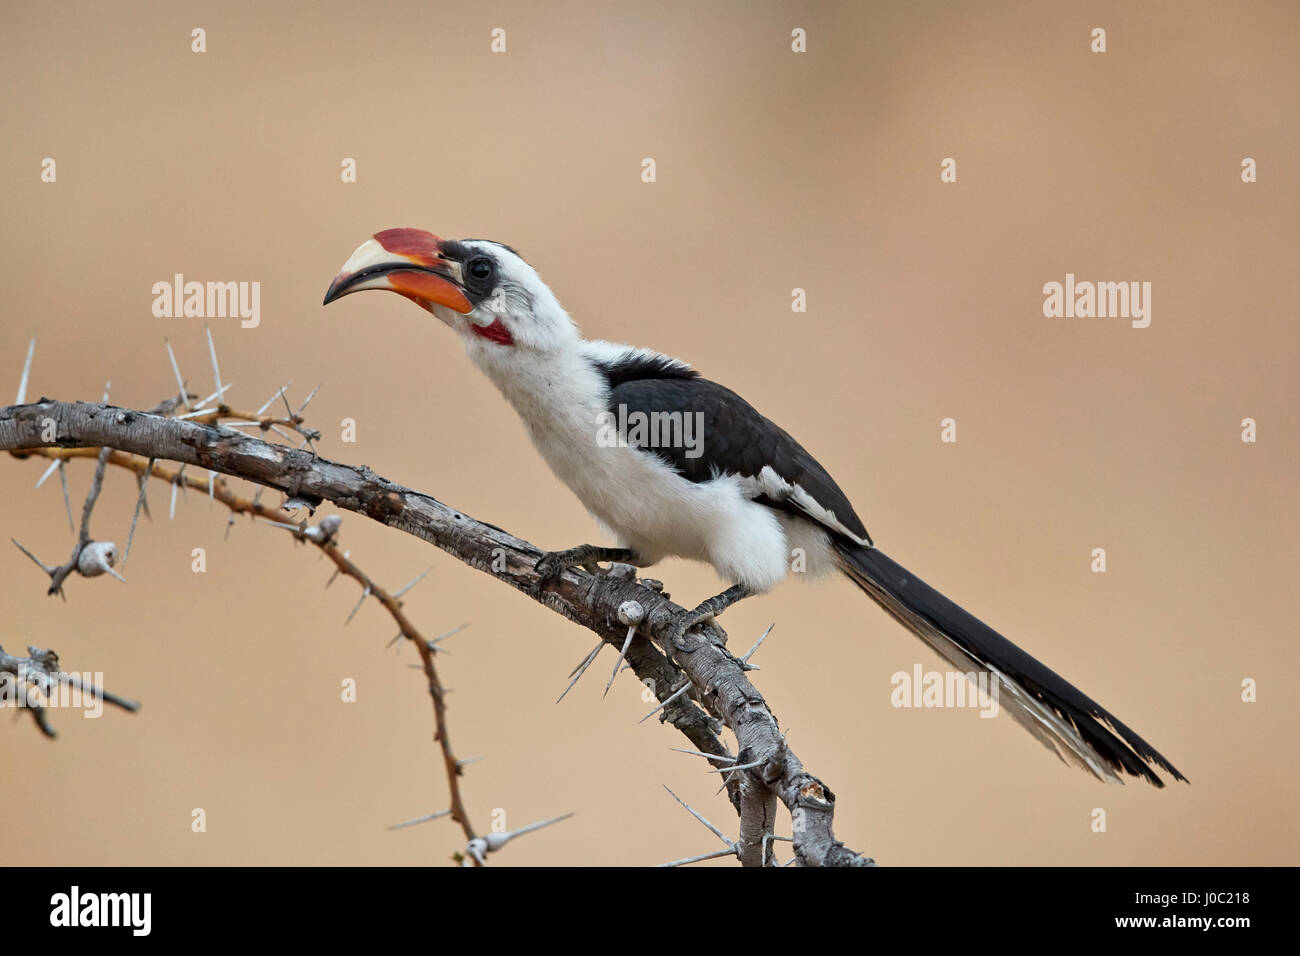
(406,261)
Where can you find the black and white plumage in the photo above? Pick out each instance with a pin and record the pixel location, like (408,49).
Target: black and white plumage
(736,491)
(782,475)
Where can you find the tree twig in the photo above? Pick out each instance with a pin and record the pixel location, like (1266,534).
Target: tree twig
(238,504)
(41,668)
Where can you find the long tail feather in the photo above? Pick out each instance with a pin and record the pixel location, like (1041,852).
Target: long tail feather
(1059,715)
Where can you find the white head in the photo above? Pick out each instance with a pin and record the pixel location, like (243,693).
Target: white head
(483,290)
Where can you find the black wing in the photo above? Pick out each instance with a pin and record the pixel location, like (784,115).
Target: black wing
(737,440)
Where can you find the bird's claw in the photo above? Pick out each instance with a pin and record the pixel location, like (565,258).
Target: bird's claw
(683,623)
(549,567)
(707,611)
(554,563)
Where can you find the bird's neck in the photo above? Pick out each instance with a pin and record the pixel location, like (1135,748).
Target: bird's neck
(550,389)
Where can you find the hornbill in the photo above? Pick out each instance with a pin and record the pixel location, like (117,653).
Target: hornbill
(743,498)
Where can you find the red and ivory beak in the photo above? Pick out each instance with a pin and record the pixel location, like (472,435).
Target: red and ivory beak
(406,261)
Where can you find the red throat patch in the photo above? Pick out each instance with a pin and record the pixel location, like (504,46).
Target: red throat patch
(496,332)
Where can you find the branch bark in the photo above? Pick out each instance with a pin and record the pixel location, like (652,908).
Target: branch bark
(590,600)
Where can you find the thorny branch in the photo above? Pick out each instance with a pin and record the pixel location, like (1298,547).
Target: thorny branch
(323,536)
(718,679)
(92,558)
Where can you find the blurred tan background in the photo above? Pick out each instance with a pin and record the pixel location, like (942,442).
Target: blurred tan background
(776,170)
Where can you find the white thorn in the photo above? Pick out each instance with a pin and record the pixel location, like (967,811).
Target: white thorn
(587,660)
(268,402)
(144,483)
(364,594)
(666,701)
(27,371)
(495,841)
(54,465)
(581,669)
(627,642)
(199,405)
(280,524)
(67,502)
(308,401)
(743,766)
(216,372)
(424,819)
(729,851)
(413,582)
(40,564)
(176,369)
(446,634)
(716,832)
(219,395)
(631,632)
(701,753)
(749,653)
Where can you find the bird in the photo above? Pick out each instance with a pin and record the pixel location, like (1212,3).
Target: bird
(670,463)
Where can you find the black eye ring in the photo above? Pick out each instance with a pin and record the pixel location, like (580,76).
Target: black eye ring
(480,268)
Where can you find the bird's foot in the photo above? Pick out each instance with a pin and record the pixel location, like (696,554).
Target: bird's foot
(707,611)
(554,563)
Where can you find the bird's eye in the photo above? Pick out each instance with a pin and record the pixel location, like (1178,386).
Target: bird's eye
(480,268)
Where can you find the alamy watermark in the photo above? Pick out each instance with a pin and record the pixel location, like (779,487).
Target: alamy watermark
(946,689)
(1100,300)
(208,300)
(638,429)
(34,687)
(133,911)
